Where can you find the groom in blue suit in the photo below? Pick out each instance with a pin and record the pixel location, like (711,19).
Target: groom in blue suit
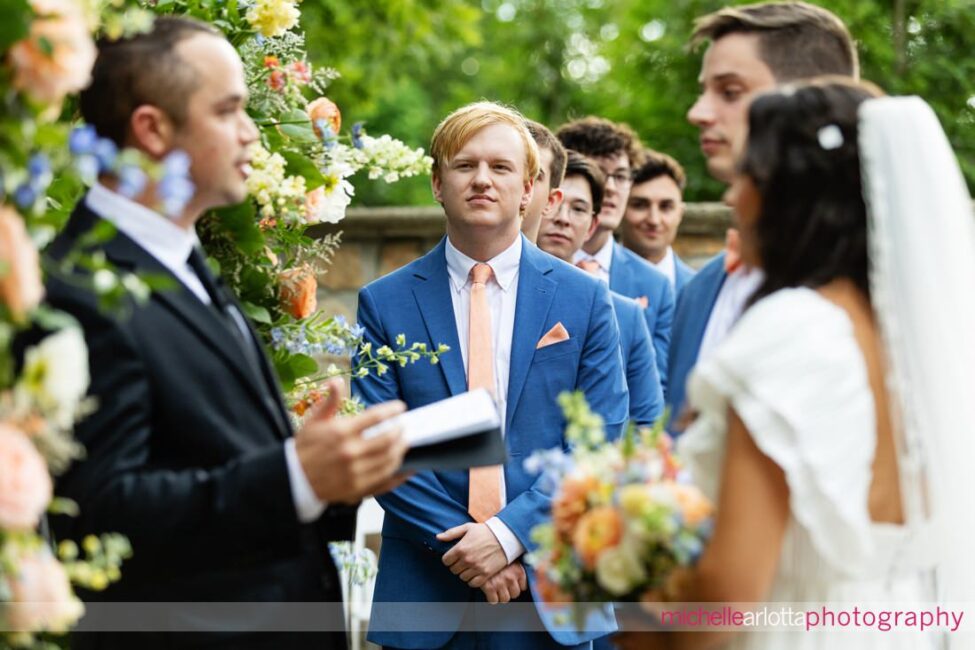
(552,329)
(752,49)
(617,149)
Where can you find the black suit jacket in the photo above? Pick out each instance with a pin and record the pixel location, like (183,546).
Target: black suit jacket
(185,456)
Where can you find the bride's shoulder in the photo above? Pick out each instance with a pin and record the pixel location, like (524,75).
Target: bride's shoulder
(792,312)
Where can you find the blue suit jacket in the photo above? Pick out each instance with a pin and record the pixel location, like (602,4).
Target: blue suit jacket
(416,301)
(690,321)
(639,361)
(682,274)
(632,276)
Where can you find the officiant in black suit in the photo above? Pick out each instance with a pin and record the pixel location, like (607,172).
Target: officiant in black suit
(190,453)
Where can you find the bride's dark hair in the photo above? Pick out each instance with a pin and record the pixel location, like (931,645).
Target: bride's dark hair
(802,157)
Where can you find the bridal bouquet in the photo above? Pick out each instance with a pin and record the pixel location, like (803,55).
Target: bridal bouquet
(624,515)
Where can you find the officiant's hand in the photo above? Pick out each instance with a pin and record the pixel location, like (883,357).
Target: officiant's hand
(506,585)
(477,556)
(341,465)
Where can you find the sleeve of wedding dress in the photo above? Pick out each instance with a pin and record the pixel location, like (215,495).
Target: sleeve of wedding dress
(792,371)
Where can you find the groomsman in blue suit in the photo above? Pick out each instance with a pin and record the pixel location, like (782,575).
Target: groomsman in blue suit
(616,149)
(562,233)
(526,327)
(653,215)
(753,48)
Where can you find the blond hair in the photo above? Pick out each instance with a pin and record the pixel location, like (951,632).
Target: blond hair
(460,126)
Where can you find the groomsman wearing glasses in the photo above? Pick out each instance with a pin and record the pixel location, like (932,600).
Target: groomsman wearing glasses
(562,234)
(616,149)
(520,324)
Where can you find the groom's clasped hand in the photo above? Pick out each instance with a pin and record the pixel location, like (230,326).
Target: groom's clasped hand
(341,465)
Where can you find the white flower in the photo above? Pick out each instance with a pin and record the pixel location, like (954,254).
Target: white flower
(55,375)
(619,570)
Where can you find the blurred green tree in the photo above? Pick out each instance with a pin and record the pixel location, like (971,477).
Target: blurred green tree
(407,63)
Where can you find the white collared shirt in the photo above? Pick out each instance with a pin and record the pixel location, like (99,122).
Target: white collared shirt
(603,257)
(728,306)
(668,267)
(502,295)
(171,246)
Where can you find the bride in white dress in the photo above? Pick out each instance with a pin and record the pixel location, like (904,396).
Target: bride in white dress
(835,424)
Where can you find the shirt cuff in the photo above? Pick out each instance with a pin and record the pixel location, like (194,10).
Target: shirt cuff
(307,505)
(509,543)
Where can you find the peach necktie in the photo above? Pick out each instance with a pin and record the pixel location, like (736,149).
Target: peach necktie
(484,492)
(589,266)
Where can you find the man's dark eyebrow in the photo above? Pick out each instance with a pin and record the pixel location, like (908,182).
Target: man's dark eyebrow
(234,99)
(727,76)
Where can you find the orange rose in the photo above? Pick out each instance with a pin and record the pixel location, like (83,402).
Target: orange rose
(548,590)
(324,108)
(599,529)
(693,504)
(572,502)
(299,292)
(56,57)
(20,282)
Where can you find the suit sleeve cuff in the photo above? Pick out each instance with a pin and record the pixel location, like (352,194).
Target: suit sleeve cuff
(509,543)
(307,505)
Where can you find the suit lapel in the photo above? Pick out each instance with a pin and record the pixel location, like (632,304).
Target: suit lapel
(535,294)
(199,318)
(701,312)
(617,272)
(432,294)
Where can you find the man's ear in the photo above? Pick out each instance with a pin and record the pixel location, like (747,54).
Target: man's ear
(526,195)
(151,131)
(435,186)
(555,198)
(592,227)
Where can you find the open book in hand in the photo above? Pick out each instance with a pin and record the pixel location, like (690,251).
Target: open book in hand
(456,433)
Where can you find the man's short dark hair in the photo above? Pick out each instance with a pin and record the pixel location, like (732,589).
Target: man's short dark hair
(597,137)
(656,164)
(578,165)
(139,70)
(545,139)
(796,40)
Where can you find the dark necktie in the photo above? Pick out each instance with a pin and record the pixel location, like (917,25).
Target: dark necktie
(221,302)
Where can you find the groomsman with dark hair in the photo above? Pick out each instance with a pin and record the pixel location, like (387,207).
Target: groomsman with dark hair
(546,195)
(753,48)
(616,149)
(653,215)
(523,326)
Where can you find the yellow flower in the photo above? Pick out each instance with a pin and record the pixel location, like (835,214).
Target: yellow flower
(273,17)
(634,500)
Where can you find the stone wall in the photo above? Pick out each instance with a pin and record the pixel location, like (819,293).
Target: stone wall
(376,241)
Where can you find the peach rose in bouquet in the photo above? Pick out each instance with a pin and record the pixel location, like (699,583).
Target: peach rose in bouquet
(299,292)
(20,280)
(42,599)
(25,484)
(56,58)
(324,109)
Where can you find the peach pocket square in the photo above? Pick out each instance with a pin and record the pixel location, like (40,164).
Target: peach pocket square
(642,301)
(555,335)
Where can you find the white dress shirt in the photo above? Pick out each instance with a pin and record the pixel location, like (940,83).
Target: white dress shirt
(603,257)
(171,246)
(728,306)
(502,294)
(668,267)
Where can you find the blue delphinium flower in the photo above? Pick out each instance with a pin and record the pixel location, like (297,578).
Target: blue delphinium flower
(177,163)
(25,196)
(357,135)
(328,135)
(175,192)
(106,152)
(87,168)
(82,140)
(132,181)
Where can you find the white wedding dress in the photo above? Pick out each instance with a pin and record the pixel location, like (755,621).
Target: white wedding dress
(793,372)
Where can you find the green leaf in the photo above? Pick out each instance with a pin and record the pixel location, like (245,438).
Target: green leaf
(296,125)
(15,25)
(256,313)
(240,222)
(291,367)
(300,165)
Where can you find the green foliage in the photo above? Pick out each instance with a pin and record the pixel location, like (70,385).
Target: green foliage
(624,59)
